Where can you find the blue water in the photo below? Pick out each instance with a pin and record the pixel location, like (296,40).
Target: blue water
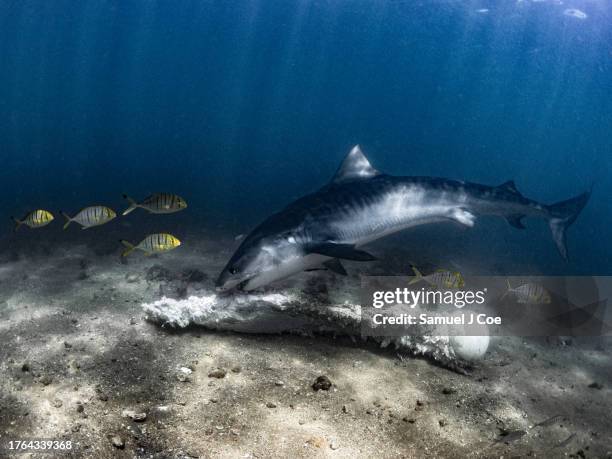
(243,106)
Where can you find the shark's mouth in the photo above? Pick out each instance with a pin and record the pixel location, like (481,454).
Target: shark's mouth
(237,286)
(234,285)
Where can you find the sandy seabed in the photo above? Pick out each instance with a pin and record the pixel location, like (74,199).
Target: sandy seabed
(88,355)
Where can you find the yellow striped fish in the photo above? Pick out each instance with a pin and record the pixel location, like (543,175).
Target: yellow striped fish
(529,293)
(157,203)
(153,243)
(91,216)
(441,279)
(35,219)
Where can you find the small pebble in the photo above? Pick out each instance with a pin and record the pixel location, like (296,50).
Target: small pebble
(134,416)
(317,442)
(217,373)
(118,442)
(322,383)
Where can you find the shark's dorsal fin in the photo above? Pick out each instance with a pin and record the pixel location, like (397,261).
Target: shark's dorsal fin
(354,166)
(509,186)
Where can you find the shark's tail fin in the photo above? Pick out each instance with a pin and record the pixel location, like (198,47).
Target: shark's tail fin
(133,205)
(68,219)
(562,215)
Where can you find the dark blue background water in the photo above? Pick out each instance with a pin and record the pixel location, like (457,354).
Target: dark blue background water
(243,106)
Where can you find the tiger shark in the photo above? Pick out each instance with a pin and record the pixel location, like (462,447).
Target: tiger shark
(361,205)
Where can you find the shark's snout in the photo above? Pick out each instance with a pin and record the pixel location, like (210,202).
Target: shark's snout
(233,287)
(221,282)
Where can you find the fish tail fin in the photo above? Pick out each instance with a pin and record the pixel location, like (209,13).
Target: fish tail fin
(418,276)
(129,247)
(18,223)
(133,205)
(508,289)
(562,215)
(68,219)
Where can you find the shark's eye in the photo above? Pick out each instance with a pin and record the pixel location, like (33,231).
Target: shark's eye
(233,270)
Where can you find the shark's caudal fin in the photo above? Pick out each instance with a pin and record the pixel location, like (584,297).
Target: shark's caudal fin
(562,215)
(68,219)
(133,205)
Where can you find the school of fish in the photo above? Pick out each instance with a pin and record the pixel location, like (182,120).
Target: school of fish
(91,216)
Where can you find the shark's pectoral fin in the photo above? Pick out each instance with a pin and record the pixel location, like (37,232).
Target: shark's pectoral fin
(515,220)
(343,251)
(335,266)
(463,216)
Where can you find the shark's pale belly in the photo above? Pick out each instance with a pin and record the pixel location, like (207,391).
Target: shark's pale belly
(393,211)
